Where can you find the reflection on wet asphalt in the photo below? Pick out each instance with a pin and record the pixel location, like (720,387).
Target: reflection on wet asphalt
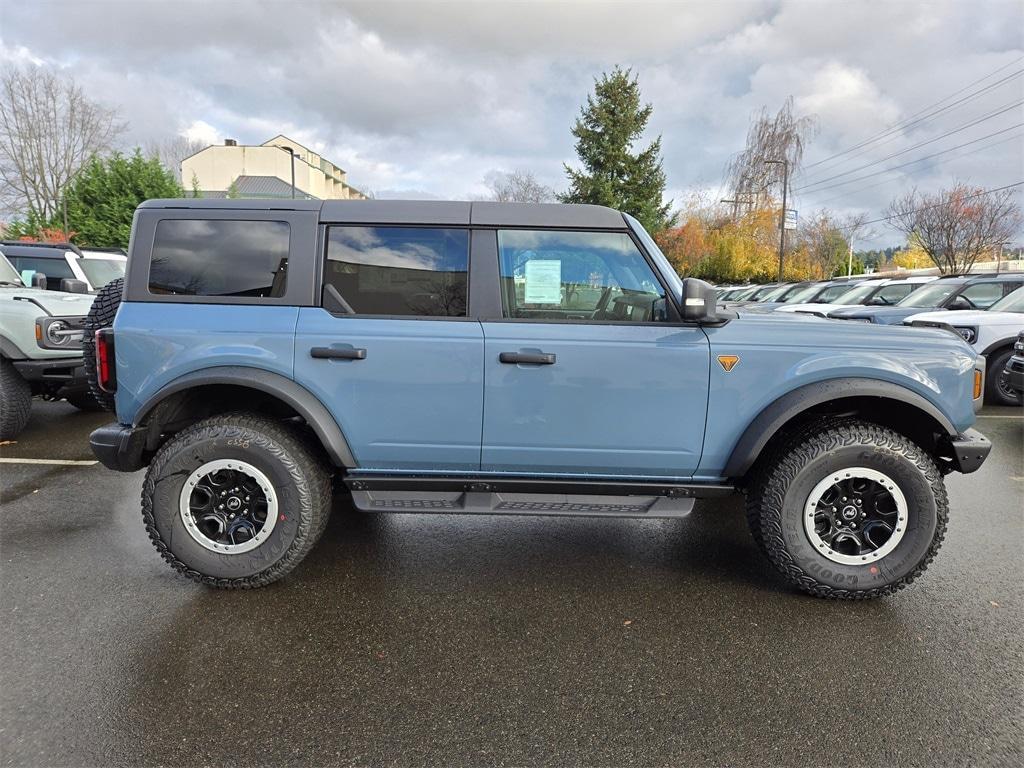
(427,639)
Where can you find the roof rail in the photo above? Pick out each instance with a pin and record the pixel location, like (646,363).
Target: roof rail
(34,244)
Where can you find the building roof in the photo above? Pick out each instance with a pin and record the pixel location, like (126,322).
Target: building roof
(423,211)
(266,186)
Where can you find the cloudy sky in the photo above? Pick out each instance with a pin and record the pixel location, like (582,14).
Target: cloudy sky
(427,99)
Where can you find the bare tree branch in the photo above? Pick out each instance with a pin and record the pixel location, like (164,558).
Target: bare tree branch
(957,226)
(518,187)
(48,130)
(781,137)
(172,150)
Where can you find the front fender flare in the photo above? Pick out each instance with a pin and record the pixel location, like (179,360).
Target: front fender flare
(304,402)
(775,415)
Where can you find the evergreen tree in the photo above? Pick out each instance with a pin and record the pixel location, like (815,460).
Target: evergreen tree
(102,198)
(612,173)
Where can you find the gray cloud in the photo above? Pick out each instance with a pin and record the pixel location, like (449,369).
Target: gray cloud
(432,96)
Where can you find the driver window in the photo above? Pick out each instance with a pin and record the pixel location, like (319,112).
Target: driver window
(550,275)
(983,295)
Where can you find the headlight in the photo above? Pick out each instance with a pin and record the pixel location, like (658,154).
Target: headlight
(970,335)
(59,332)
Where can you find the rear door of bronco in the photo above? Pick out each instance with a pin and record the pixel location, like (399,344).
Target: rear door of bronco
(391,351)
(584,373)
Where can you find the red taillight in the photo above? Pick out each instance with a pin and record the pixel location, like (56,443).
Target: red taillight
(106,373)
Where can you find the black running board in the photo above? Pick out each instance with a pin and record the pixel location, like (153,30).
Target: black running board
(526,496)
(484,503)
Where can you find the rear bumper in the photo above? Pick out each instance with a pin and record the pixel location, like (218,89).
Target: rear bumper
(968,451)
(119,447)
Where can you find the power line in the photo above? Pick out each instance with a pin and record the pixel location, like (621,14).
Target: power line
(912,118)
(936,205)
(963,127)
(912,162)
(851,193)
(896,134)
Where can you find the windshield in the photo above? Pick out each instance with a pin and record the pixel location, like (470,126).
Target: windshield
(8,274)
(857,295)
(102,271)
(802,296)
(1011,302)
(929,296)
(771,294)
(663,264)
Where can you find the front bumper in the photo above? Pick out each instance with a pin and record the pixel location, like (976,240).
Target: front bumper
(66,372)
(967,451)
(119,447)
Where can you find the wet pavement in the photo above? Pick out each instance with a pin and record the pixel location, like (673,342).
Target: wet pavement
(433,640)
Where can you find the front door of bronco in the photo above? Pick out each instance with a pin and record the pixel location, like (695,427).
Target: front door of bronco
(391,352)
(583,373)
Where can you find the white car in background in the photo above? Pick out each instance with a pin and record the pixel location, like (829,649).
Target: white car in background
(992,333)
(870,292)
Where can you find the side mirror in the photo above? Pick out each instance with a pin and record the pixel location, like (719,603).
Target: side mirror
(70,285)
(659,310)
(960,303)
(877,301)
(39,281)
(699,301)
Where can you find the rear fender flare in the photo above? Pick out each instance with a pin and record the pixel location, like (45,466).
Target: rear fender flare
(304,402)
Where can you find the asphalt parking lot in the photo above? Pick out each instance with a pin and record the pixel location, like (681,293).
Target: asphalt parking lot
(410,640)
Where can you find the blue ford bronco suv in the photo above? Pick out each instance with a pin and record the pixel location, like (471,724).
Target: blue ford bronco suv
(503,358)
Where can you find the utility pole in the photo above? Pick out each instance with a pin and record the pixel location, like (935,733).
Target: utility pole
(782,220)
(735,206)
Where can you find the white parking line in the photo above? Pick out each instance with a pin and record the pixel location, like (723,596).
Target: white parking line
(998,416)
(58,462)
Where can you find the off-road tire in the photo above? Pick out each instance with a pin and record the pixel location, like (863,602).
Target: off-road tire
(15,401)
(101,315)
(297,470)
(779,493)
(996,368)
(84,401)
(755,490)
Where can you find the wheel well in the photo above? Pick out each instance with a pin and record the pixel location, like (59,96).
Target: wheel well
(903,418)
(187,406)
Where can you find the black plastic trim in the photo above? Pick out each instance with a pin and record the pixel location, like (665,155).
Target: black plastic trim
(969,450)
(778,413)
(119,447)
(524,484)
(305,403)
(1000,344)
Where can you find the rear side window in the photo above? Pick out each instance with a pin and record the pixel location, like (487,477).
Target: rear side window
(399,271)
(213,257)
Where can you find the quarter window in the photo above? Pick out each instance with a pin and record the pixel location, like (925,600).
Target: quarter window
(399,271)
(551,275)
(214,257)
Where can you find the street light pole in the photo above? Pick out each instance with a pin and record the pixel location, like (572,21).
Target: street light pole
(782,220)
(291,153)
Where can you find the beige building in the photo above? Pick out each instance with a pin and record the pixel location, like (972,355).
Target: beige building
(265,170)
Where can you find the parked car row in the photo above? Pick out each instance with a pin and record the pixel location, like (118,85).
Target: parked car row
(986,310)
(46,291)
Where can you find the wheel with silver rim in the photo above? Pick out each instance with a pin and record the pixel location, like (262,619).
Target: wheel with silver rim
(228,506)
(850,510)
(855,516)
(237,501)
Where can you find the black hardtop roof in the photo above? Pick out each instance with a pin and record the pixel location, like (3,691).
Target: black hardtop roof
(421,212)
(44,250)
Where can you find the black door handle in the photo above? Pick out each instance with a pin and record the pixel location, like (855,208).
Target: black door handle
(338,353)
(530,358)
